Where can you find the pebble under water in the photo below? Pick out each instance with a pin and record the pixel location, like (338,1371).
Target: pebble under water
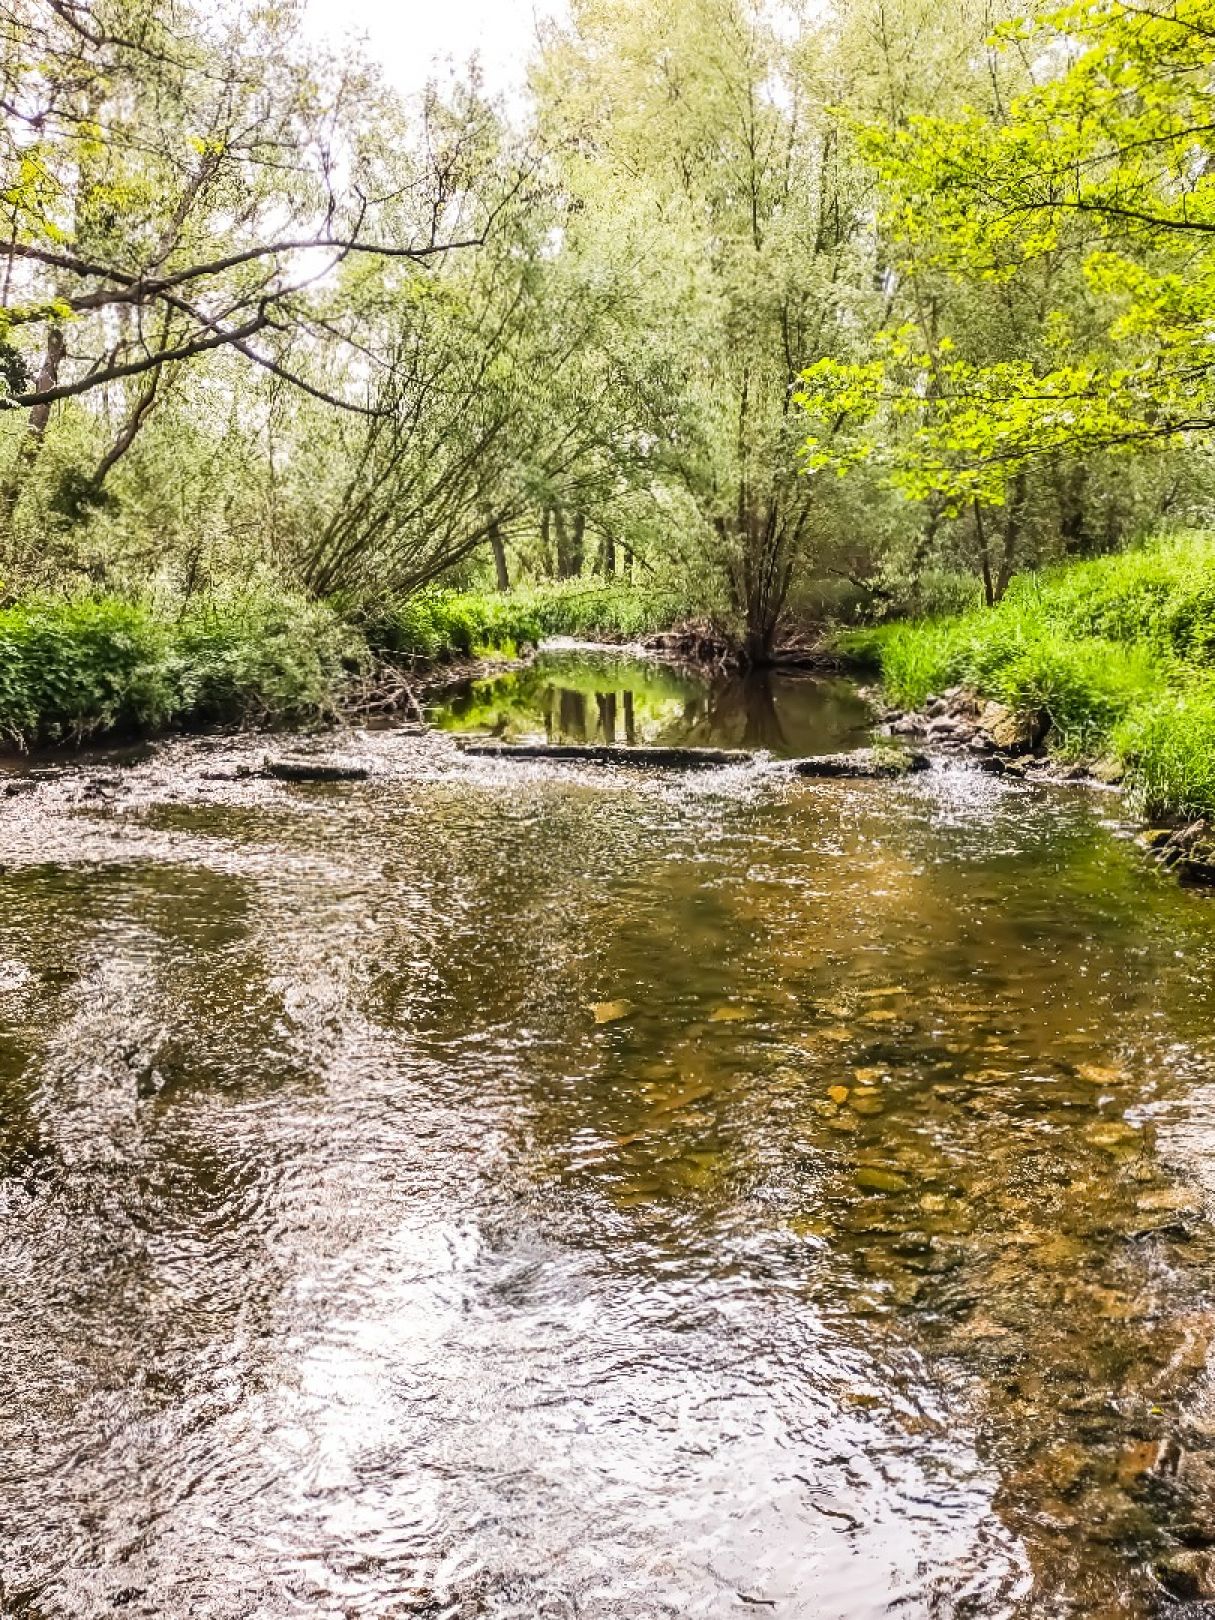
(521,1190)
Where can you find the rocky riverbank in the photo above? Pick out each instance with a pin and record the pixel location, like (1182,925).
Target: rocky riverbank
(1006,741)
(1016,743)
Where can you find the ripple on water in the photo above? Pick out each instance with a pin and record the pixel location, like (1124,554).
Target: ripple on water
(355,1266)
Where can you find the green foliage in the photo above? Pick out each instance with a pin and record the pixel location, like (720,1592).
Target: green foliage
(261,657)
(93,666)
(68,669)
(446,624)
(1095,186)
(1117,652)
(970,261)
(1162,595)
(1169,747)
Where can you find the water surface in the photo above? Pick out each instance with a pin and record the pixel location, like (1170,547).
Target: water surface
(585,696)
(510,1190)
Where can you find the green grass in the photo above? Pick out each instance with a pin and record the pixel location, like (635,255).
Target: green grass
(73,668)
(1119,653)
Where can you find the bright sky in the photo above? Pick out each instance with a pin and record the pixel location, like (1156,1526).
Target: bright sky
(407,36)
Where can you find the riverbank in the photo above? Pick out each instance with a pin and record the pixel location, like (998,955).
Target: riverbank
(103,667)
(1104,664)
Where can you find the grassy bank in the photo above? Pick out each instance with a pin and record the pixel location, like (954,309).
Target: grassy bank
(89,667)
(1118,653)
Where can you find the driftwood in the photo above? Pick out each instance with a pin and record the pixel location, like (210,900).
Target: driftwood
(861,763)
(309,770)
(389,690)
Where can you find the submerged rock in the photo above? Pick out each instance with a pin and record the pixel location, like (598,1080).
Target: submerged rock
(314,770)
(869,1178)
(862,763)
(1189,1575)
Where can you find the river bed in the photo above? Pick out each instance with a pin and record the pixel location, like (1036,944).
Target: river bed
(501,1189)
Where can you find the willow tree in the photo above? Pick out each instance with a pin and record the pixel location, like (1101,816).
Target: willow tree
(498,392)
(182,181)
(699,131)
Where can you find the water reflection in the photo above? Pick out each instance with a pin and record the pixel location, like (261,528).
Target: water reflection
(495,1190)
(566,697)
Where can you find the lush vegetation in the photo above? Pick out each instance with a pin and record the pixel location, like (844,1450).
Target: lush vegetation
(1117,653)
(69,669)
(440,624)
(81,666)
(766,314)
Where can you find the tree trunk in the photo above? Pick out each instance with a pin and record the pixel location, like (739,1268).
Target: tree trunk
(499,550)
(563,544)
(767,570)
(569,546)
(546,518)
(1071,486)
(989,587)
(1012,536)
(757,645)
(39,417)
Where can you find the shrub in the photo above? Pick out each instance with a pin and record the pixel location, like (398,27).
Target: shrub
(68,669)
(445,624)
(260,657)
(87,666)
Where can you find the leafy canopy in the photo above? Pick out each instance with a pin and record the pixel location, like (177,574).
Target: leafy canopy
(1098,182)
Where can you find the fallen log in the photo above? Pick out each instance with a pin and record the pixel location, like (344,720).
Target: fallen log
(685,759)
(861,763)
(313,770)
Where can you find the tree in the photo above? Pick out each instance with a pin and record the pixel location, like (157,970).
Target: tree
(180,182)
(1091,191)
(201,177)
(499,398)
(699,129)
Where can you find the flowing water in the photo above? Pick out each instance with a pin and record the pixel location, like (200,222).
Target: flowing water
(520,1190)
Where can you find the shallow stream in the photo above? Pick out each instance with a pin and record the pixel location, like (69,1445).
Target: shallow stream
(500,1189)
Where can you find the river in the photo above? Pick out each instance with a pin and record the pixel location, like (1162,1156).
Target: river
(500,1189)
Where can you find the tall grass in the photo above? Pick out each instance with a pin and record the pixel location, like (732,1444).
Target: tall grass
(1118,653)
